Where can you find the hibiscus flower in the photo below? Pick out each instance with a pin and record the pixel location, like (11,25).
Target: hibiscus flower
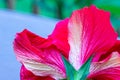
(88,32)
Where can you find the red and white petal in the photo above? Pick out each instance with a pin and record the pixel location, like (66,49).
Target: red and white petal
(106,70)
(107,74)
(38,55)
(89,32)
(27,75)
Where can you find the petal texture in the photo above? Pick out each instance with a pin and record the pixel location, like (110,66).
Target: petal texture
(27,75)
(89,32)
(108,70)
(38,55)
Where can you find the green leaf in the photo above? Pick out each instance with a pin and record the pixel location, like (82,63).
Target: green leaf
(83,72)
(70,71)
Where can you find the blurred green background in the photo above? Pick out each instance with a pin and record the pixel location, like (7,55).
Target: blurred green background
(61,9)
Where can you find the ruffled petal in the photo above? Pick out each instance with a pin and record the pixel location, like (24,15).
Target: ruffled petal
(107,70)
(59,36)
(107,74)
(89,32)
(38,55)
(115,48)
(27,75)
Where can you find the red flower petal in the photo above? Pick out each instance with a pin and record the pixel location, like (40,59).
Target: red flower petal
(107,74)
(90,32)
(115,48)
(39,55)
(27,75)
(60,36)
(107,70)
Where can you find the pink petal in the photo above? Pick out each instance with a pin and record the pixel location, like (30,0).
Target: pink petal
(107,70)
(59,36)
(27,75)
(90,32)
(39,55)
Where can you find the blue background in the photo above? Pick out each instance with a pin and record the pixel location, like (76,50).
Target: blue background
(10,24)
